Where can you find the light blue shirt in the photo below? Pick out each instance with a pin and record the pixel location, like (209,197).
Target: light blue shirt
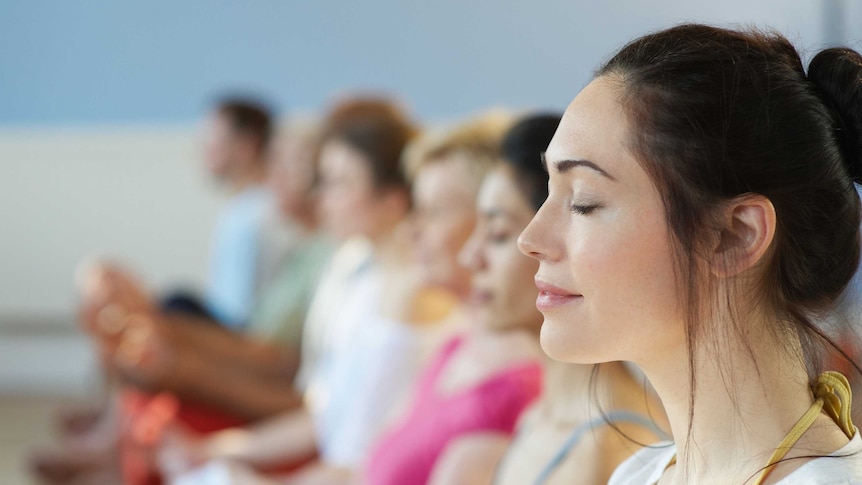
(233,261)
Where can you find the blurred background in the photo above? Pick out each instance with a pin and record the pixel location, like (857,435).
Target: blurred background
(101,104)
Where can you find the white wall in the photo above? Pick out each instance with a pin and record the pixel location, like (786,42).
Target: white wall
(69,189)
(137,194)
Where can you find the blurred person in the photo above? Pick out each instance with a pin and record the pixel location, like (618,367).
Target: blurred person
(578,431)
(361,348)
(446,168)
(216,373)
(236,151)
(484,377)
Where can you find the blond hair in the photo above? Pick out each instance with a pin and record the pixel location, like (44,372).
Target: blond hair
(476,139)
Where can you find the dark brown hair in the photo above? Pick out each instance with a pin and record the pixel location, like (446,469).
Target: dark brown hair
(716,114)
(248,117)
(377,128)
(522,149)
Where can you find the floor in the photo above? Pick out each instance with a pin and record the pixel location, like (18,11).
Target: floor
(24,423)
(38,362)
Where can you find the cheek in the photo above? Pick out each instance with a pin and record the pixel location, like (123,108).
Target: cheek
(446,238)
(625,272)
(516,290)
(523,295)
(631,277)
(345,206)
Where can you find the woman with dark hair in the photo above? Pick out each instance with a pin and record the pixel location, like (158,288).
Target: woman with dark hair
(701,217)
(571,434)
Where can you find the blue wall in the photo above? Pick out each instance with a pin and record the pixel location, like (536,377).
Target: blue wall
(160,61)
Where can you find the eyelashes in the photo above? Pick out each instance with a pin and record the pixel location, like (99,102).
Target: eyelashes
(584,209)
(500,238)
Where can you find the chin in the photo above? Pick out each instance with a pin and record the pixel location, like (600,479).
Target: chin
(560,342)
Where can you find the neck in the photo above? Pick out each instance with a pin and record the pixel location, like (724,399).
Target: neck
(306,217)
(566,397)
(575,394)
(516,342)
(746,399)
(389,244)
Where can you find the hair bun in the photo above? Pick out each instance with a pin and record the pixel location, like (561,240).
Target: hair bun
(837,73)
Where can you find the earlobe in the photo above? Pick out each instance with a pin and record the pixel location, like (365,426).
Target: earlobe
(746,231)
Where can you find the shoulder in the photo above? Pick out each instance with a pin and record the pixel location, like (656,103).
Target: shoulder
(644,467)
(844,467)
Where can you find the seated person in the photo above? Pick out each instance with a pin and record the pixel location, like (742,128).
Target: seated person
(236,154)
(586,421)
(446,168)
(361,349)
(247,376)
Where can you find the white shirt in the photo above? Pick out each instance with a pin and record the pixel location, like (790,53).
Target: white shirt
(842,467)
(359,365)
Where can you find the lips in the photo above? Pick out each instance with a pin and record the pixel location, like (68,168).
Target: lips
(551,296)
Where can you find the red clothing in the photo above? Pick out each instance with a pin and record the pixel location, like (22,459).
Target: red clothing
(144,417)
(407,453)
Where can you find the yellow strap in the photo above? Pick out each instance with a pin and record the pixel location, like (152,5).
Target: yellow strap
(832,394)
(834,389)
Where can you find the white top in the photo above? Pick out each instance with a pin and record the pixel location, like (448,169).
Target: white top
(221,472)
(360,365)
(327,310)
(842,467)
(376,361)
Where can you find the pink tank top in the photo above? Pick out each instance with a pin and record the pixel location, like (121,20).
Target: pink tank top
(407,453)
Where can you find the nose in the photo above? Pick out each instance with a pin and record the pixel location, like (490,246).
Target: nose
(525,244)
(469,257)
(530,240)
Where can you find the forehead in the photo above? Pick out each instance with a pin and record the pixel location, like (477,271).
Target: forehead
(337,157)
(594,126)
(445,175)
(500,193)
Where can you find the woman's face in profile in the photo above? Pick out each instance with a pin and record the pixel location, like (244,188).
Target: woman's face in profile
(444,200)
(503,295)
(349,204)
(291,173)
(606,274)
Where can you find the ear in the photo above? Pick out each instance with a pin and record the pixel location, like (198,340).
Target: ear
(746,230)
(247,147)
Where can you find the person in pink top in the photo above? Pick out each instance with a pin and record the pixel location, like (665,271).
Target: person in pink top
(481,381)
(408,453)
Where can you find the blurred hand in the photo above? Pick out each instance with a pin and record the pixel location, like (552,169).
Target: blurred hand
(146,352)
(179,452)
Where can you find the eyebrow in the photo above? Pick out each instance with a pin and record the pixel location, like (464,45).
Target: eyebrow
(496,213)
(564,166)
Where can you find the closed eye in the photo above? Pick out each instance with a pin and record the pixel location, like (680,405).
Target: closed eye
(584,209)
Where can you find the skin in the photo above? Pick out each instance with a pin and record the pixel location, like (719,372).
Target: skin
(448,234)
(352,206)
(444,218)
(190,357)
(502,273)
(499,307)
(194,358)
(602,239)
(503,322)
(291,177)
(231,158)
